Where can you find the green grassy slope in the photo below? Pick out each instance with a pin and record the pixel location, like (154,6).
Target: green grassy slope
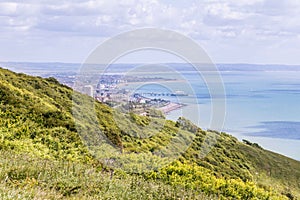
(43,156)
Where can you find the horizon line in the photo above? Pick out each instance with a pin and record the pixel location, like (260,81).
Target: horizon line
(135,63)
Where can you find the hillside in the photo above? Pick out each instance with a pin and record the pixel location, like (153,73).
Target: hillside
(47,154)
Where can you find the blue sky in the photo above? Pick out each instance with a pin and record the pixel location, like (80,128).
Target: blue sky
(244,31)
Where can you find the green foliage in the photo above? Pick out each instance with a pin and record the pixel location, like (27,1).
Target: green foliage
(155,113)
(27,177)
(200,179)
(44,154)
(139,120)
(251,144)
(187,125)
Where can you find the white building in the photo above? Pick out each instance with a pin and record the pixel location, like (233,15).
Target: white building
(89,90)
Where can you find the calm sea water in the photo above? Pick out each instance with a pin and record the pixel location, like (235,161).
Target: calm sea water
(261,106)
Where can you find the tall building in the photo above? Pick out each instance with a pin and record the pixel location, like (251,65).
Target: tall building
(89,90)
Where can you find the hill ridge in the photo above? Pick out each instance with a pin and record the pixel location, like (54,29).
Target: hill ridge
(49,134)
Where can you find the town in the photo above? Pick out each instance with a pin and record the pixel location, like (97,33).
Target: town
(109,91)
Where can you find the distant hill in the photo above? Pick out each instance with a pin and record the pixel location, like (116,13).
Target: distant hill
(70,68)
(44,152)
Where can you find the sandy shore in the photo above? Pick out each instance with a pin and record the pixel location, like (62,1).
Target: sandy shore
(170,107)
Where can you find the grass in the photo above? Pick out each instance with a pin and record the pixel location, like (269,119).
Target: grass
(27,177)
(47,153)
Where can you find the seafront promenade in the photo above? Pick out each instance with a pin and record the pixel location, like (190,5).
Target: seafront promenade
(170,107)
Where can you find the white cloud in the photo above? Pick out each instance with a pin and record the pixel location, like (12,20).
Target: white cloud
(8,8)
(217,23)
(224,11)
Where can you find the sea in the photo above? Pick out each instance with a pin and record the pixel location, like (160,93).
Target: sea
(261,106)
(262,102)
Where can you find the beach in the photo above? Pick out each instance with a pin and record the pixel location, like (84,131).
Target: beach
(170,107)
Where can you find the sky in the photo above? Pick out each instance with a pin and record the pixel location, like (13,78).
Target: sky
(231,31)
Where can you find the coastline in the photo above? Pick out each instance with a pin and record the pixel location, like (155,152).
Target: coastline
(156,81)
(171,107)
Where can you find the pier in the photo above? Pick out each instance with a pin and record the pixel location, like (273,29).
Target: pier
(154,94)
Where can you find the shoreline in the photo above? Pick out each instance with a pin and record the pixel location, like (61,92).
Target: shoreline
(154,81)
(171,107)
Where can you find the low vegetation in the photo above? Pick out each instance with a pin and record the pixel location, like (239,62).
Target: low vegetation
(47,153)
